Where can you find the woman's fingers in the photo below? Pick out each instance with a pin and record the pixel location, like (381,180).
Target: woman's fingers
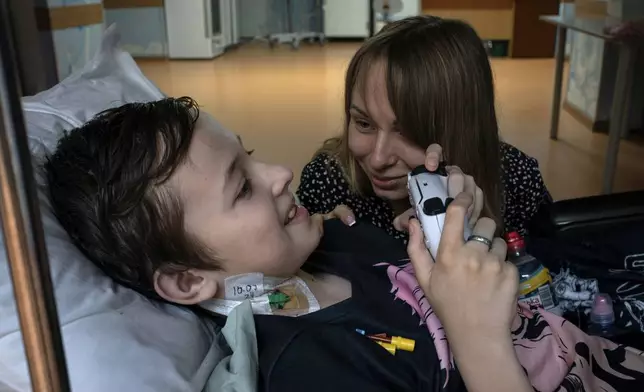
(414,156)
(433,156)
(418,253)
(478,206)
(470,187)
(499,248)
(343,213)
(484,229)
(452,235)
(410,154)
(458,182)
(455,181)
(401,223)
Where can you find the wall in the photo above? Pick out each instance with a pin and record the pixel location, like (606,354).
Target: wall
(141,25)
(76,32)
(492,19)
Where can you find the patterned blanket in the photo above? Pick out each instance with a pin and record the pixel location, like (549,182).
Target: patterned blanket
(556,355)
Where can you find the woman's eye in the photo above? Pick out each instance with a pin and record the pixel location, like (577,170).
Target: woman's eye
(362,125)
(246,190)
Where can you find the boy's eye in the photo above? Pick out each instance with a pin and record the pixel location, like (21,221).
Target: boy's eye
(246,189)
(250,152)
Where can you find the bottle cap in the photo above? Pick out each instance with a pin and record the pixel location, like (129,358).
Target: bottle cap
(389,347)
(403,343)
(602,311)
(514,240)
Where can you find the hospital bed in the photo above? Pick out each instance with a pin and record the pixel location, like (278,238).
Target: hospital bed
(97,336)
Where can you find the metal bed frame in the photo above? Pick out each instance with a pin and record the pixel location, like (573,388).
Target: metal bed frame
(23,229)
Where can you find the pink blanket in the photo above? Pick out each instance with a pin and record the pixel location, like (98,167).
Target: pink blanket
(556,355)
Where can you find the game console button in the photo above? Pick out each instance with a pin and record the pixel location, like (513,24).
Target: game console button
(433,206)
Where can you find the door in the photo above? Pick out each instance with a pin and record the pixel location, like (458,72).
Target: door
(346,19)
(189,28)
(533,38)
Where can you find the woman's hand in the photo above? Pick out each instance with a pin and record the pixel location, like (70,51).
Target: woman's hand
(474,294)
(457,182)
(470,286)
(341,212)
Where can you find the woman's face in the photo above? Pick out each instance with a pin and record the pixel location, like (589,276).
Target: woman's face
(241,208)
(375,139)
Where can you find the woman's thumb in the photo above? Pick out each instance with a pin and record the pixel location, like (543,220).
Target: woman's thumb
(418,253)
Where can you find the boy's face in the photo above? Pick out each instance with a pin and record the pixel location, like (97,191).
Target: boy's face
(240,208)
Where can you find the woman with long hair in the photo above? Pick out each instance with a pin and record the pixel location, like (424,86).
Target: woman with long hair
(420,81)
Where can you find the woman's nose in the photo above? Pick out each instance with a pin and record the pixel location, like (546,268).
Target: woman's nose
(382,155)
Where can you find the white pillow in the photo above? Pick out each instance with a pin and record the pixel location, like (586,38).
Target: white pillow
(114,338)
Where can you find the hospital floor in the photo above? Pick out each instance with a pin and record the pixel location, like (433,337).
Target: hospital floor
(285,103)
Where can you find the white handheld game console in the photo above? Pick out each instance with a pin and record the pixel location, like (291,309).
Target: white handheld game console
(428,196)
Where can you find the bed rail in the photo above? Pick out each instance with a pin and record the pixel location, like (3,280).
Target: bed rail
(23,230)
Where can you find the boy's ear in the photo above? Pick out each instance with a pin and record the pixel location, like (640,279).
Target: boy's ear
(188,287)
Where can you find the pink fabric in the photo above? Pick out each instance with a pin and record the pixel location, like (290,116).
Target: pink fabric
(556,355)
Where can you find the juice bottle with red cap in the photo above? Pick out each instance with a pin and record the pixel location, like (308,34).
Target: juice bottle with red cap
(535,283)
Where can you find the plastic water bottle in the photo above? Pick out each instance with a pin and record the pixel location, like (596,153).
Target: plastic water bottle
(602,317)
(535,283)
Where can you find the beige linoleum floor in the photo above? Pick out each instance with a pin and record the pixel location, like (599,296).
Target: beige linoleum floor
(285,103)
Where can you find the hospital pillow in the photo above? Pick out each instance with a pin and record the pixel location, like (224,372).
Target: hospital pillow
(114,338)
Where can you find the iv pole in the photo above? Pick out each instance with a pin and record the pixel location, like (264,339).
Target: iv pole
(23,231)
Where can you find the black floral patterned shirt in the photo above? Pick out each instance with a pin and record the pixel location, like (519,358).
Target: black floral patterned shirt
(323,187)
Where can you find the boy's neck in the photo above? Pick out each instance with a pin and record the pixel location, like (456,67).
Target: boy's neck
(328,289)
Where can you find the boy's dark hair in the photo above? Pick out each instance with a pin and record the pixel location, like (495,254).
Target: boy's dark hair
(106,188)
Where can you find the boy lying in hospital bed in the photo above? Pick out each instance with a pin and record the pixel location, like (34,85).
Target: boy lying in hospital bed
(168,203)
